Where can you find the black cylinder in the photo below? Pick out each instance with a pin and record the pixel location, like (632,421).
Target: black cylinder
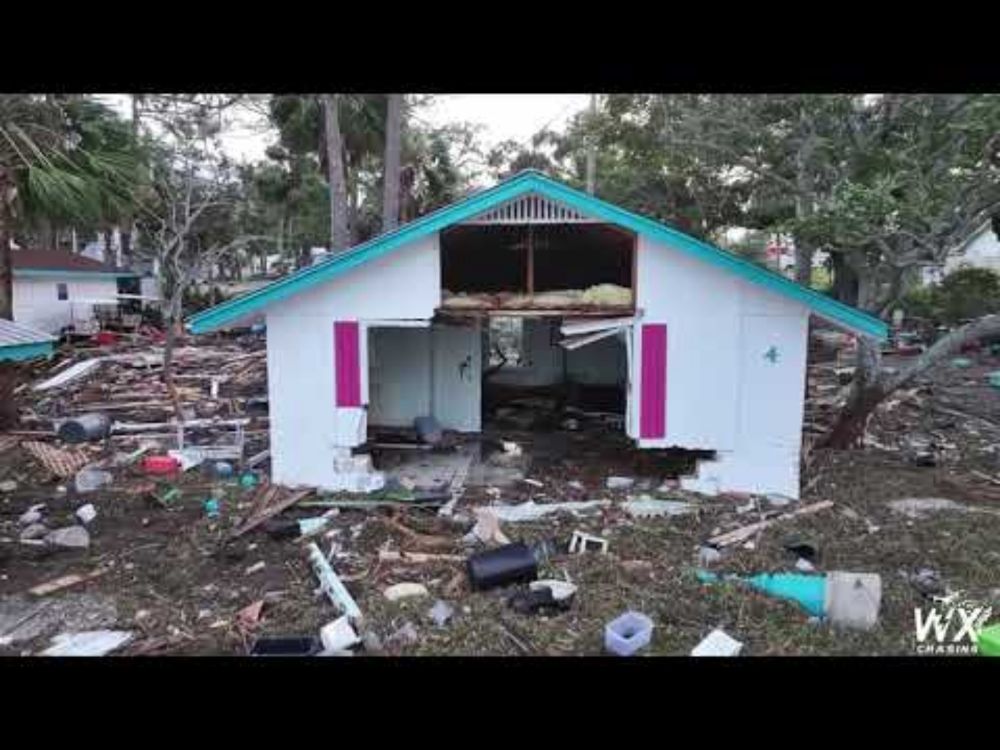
(85,427)
(512,563)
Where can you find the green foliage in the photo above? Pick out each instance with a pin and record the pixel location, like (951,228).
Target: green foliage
(197,298)
(71,159)
(963,295)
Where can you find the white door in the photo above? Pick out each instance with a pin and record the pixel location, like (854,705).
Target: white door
(456,372)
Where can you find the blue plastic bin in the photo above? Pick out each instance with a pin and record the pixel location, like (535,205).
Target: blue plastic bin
(628,633)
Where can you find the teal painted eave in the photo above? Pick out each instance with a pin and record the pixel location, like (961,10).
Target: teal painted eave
(21,352)
(535,182)
(55,273)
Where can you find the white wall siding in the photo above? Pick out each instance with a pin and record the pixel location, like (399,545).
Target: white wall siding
(701,308)
(404,284)
(37,304)
(982,252)
(306,426)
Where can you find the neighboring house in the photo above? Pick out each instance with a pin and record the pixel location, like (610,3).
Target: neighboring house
(980,250)
(707,350)
(54,289)
(18,342)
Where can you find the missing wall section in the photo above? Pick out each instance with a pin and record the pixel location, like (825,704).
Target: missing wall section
(559,267)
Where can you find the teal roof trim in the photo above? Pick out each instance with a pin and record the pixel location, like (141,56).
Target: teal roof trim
(21,352)
(534,182)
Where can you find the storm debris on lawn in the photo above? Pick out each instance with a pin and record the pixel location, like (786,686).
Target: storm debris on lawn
(93,643)
(718,643)
(177,578)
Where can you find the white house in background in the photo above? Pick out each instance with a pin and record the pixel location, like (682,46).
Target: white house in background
(980,250)
(54,288)
(703,349)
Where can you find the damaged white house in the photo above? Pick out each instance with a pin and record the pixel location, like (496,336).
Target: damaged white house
(705,350)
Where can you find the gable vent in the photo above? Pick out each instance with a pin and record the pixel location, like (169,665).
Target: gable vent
(530,209)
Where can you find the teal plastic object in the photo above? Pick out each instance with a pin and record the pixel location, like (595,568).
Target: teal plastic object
(994,378)
(248,481)
(809,592)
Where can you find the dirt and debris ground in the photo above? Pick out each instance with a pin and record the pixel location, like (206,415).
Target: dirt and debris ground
(169,576)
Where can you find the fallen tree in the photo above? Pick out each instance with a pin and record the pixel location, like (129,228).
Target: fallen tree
(872,384)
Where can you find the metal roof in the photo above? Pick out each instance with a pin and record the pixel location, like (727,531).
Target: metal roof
(13,334)
(524,183)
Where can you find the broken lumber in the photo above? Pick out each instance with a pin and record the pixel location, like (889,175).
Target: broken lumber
(745,532)
(271,510)
(64,582)
(416,557)
(421,540)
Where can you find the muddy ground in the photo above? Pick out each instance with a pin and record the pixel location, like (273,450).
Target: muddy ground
(168,576)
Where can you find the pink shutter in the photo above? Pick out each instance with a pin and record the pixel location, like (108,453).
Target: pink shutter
(347,363)
(653,399)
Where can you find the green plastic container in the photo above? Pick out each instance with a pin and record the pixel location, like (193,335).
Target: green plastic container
(989,641)
(994,378)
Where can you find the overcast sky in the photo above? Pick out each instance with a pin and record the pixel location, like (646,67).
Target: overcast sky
(503,117)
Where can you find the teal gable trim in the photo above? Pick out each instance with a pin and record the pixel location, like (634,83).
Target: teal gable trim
(21,352)
(57,274)
(535,182)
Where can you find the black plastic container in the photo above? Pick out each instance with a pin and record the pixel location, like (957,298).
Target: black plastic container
(85,427)
(286,646)
(512,563)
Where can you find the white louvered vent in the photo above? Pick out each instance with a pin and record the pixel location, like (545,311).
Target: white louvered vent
(531,209)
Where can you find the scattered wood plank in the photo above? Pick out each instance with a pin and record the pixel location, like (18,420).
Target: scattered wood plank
(62,463)
(64,582)
(421,540)
(8,441)
(984,475)
(417,557)
(745,532)
(273,508)
(69,375)
(258,458)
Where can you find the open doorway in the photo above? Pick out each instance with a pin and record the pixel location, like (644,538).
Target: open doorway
(551,373)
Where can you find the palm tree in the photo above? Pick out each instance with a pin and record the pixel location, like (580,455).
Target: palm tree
(53,166)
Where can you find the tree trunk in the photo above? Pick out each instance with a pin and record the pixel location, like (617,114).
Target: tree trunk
(390,177)
(592,147)
(803,263)
(8,382)
(339,237)
(126,238)
(845,280)
(108,252)
(867,392)
(6,262)
(872,386)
